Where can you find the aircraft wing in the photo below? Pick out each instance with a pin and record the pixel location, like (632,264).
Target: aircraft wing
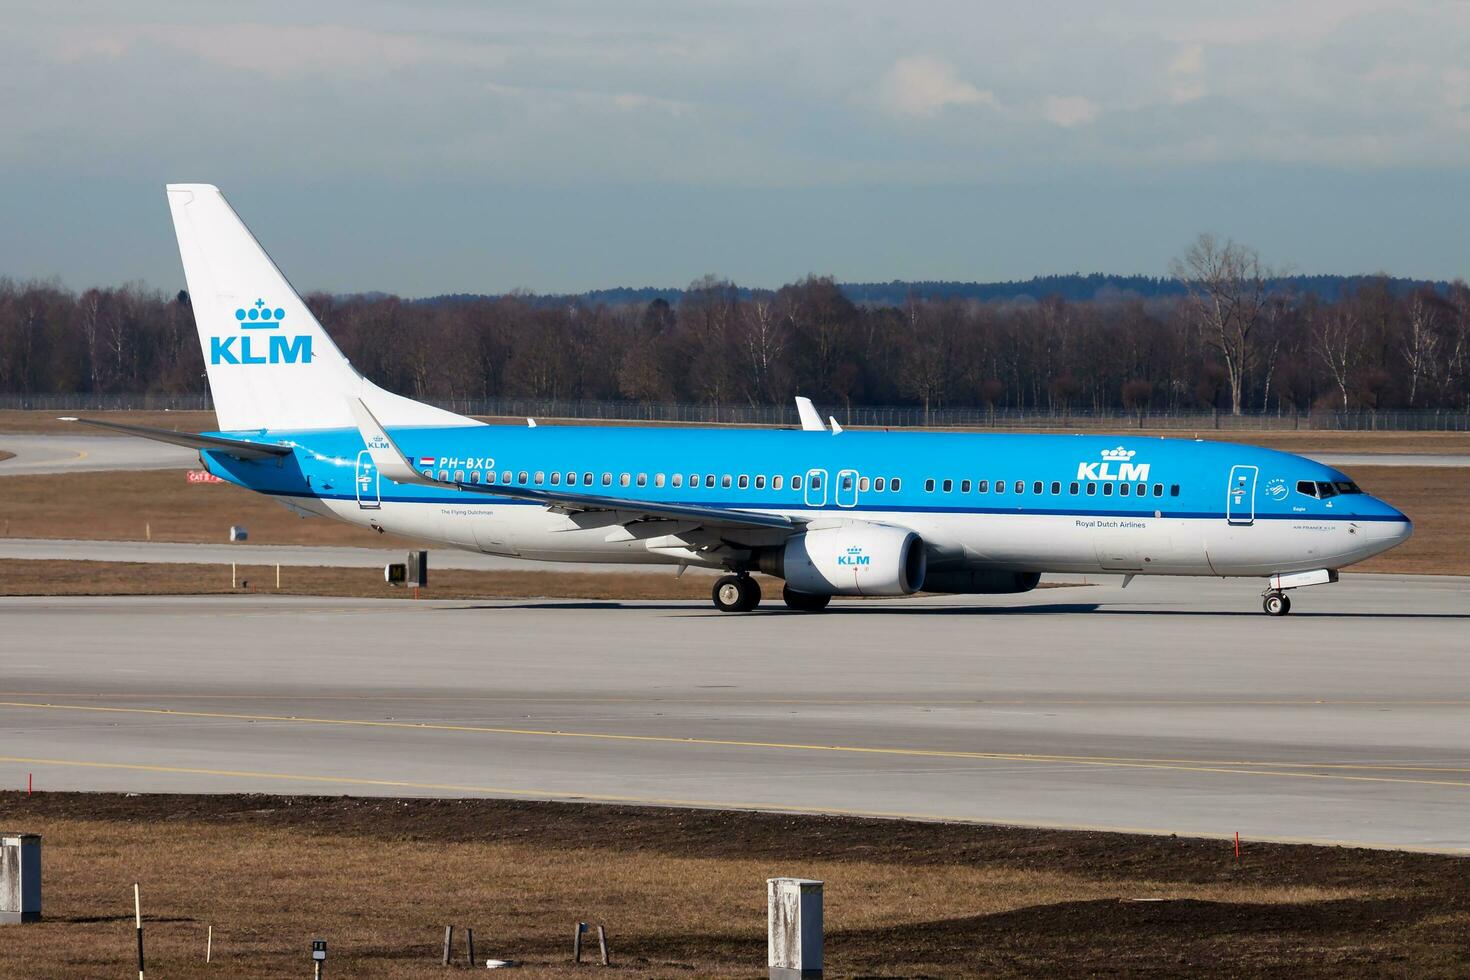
(235,447)
(393,464)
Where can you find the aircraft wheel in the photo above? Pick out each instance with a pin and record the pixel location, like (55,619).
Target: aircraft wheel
(804,601)
(1276,604)
(736,593)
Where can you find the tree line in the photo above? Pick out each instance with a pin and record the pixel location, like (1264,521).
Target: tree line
(1228,337)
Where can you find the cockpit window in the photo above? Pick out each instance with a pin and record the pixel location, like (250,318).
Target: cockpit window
(1307,487)
(1345,486)
(1323,489)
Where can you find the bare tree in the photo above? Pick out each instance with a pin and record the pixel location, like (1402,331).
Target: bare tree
(1227,288)
(1421,345)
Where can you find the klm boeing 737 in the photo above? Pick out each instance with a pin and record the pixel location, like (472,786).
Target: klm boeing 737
(832,513)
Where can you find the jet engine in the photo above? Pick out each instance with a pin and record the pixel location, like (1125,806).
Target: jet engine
(850,559)
(971,582)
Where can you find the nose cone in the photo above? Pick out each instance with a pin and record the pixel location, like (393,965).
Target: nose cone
(1390,527)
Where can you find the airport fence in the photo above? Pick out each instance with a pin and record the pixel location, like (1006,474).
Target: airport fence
(871,416)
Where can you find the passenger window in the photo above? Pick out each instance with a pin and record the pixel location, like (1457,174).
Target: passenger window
(505,476)
(1123,489)
(658,479)
(1158,489)
(607,479)
(725,481)
(1020,486)
(490,476)
(521,477)
(744,482)
(572,478)
(983,486)
(816,481)
(1056,488)
(863,484)
(928,486)
(895,484)
(1092,489)
(846,481)
(643,479)
(678,479)
(948,486)
(475,476)
(796,483)
(540,477)
(760,482)
(693,481)
(555,478)
(1173,489)
(1107,489)
(444,475)
(1074,488)
(776,482)
(586,479)
(964,486)
(709,480)
(877,483)
(624,479)
(1000,486)
(1036,487)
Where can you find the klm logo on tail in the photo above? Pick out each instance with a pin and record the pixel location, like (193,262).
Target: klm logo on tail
(245,348)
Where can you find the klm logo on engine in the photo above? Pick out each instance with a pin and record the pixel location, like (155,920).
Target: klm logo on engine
(249,348)
(1116,464)
(854,558)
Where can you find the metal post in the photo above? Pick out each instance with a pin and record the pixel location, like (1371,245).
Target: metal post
(602,945)
(577,942)
(138,922)
(469,946)
(448,942)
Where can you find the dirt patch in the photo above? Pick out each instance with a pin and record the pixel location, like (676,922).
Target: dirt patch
(682,892)
(1437,500)
(4,455)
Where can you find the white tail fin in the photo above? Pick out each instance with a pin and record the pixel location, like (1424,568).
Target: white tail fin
(270,363)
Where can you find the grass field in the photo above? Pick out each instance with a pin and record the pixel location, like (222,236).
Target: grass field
(682,893)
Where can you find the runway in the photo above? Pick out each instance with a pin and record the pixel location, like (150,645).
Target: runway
(1171,707)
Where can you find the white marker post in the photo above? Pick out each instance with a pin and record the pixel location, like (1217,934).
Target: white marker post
(138,922)
(794,928)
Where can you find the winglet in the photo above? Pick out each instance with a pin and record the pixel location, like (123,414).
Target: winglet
(836,429)
(386,455)
(810,420)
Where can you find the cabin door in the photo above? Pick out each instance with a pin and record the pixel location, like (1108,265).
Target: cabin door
(1240,496)
(369,483)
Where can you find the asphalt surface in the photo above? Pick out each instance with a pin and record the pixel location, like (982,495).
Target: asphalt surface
(1171,707)
(171,553)
(35,454)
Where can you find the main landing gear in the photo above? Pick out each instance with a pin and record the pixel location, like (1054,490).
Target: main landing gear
(736,593)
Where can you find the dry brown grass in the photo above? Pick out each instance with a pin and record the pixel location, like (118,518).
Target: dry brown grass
(22,577)
(682,892)
(15,420)
(1437,500)
(4,455)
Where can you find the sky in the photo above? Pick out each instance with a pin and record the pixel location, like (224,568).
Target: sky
(468,146)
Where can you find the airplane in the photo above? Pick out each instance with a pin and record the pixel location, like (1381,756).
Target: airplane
(828,511)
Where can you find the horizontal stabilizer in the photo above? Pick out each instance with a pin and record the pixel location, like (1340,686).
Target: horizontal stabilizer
(238,448)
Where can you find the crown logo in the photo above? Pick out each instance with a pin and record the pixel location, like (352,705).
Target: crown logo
(259,316)
(1119,454)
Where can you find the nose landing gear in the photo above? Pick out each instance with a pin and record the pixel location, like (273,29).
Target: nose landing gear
(736,593)
(1276,603)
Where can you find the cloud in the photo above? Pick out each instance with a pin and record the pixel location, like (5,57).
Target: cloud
(1069,110)
(924,86)
(1186,71)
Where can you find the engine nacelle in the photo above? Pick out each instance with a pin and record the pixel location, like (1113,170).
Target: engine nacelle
(851,559)
(966,582)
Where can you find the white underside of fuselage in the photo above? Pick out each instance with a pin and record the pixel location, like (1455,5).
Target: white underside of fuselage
(992,542)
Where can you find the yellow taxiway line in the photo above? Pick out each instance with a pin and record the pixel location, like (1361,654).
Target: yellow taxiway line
(1340,771)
